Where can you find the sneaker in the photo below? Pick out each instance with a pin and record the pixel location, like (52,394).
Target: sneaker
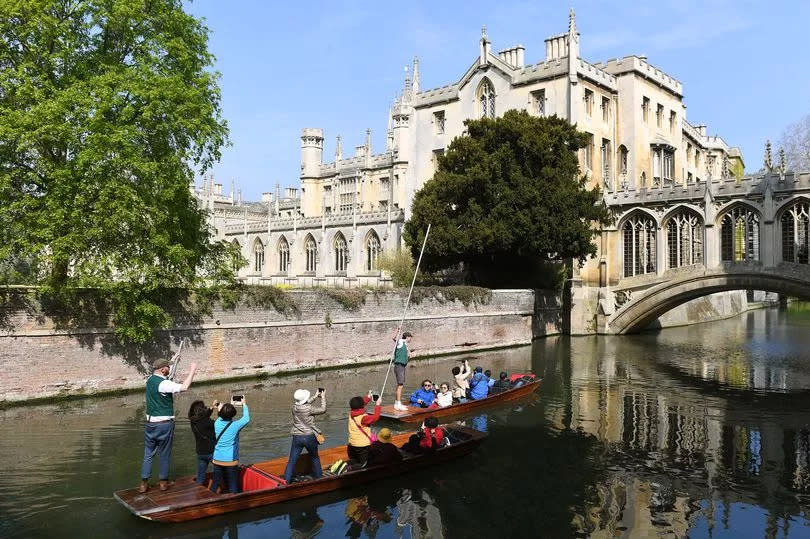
(399,406)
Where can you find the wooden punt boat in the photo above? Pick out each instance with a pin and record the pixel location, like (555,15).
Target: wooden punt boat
(186,500)
(417,415)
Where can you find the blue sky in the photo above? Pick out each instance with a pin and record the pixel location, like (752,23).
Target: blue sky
(745,65)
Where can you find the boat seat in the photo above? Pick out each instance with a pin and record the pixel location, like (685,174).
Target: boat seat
(254,479)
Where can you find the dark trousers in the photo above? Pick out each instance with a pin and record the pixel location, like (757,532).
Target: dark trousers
(358,455)
(299,443)
(231,474)
(202,467)
(157,438)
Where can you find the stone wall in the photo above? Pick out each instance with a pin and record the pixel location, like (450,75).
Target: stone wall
(40,360)
(706,309)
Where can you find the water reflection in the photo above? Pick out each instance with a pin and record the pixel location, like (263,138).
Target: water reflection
(698,431)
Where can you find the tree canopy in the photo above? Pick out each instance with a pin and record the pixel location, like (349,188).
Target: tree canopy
(106,108)
(507,195)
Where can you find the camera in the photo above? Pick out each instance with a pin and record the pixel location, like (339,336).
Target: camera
(375,397)
(237,398)
(321,390)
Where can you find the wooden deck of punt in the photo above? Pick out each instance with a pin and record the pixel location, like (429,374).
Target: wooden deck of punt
(186,500)
(417,415)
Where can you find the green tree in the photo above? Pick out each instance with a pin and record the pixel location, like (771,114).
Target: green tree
(106,106)
(507,198)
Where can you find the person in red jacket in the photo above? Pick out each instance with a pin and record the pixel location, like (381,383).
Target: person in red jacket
(429,438)
(359,424)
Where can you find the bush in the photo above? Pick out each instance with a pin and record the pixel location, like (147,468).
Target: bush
(399,265)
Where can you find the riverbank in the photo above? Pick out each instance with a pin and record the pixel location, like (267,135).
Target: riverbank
(42,361)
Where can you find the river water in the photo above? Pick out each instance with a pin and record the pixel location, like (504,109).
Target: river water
(697,431)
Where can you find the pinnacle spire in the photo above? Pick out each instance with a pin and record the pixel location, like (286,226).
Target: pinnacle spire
(415,83)
(339,149)
(572,22)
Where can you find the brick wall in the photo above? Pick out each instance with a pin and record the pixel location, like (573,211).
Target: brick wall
(41,361)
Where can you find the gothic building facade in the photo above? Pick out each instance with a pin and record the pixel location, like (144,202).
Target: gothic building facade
(351,209)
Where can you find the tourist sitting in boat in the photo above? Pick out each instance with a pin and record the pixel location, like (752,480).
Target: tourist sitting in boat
(359,423)
(501,385)
(199,416)
(424,396)
(462,385)
(429,438)
(479,385)
(382,451)
(304,431)
(490,379)
(444,397)
(226,447)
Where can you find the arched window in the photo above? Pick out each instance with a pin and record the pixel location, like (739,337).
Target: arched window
(639,244)
(341,252)
(258,256)
(795,237)
(623,159)
(685,239)
(283,255)
(311,250)
(236,262)
(486,99)
(372,251)
(739,235)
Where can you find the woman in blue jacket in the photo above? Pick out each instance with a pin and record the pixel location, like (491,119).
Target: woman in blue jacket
(479,385)
(424,396)
(226,450)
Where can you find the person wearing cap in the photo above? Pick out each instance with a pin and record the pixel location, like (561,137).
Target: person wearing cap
(304,431)
(400,363)
(159,428)
(502,384)
(383,451)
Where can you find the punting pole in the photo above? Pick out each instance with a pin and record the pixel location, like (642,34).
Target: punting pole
(176,359)
(405,310)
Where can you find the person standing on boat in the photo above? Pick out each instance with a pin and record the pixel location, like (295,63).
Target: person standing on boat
(360,434)
(400,363)
(304,431)
(199,416)
(226,448)
(159,428)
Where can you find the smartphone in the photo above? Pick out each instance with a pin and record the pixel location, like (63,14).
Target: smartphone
(375,397)
(321,390)
(237,398)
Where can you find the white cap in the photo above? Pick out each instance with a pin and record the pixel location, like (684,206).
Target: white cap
(301,396)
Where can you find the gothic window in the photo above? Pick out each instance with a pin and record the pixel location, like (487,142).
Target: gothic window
(672,118)
(341,252)
(587,156)
(588,102)
(739,235)
(645,109)
(236,262)
(622,159)
(639,242)
(372,251)
(283,255)
(311,250)
(347,188)
(486,99)
(258,256)
(605,109)
(606,163)
(659,115)
(685,239)
(663,161)
(539,102)
(796,233)
(438,122)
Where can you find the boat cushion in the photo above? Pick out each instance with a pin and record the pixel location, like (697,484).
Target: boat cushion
(253,479)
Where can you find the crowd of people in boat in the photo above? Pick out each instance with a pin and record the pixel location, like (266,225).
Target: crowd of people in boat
(217,441)
(467,385)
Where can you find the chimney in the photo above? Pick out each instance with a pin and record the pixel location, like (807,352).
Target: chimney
(291,192)
(267,198)
(701,129)
(513,56)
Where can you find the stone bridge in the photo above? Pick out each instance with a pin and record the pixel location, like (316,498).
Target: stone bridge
(676,243)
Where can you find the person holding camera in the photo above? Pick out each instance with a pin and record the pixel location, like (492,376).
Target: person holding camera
(304,431)
(199,416)
(226,443)
(359,424)
(460,378)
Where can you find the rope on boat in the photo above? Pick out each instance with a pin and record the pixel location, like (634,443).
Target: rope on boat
(404,312)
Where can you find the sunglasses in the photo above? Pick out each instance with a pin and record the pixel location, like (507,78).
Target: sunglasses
(427,385)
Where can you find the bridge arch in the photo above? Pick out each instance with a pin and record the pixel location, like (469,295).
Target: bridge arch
(788,279)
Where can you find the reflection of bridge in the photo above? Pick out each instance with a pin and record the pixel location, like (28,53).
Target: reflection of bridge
(675,244)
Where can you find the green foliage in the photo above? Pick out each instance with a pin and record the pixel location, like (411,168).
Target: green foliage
(327,320)
(467,295)
(351,299)
(399,265)
(233,295)
(105,107)
(507,193)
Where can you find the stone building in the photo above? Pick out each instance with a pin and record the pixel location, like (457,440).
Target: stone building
(352,208)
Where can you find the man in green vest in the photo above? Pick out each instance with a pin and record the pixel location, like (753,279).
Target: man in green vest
(400,362)
(159,429)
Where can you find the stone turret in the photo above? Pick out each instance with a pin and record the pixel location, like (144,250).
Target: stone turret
(311,151)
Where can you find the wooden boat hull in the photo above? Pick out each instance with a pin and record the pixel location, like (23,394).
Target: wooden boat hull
(417,415)
(186,500)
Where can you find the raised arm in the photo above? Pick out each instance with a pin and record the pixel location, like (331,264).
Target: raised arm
(187,382)
(321,408)
(245,419)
